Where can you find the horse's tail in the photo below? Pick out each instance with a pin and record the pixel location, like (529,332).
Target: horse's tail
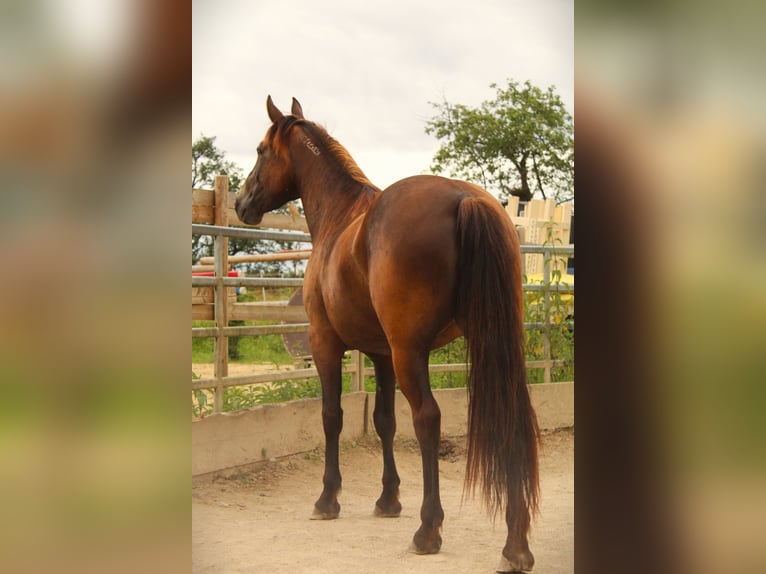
(502,427)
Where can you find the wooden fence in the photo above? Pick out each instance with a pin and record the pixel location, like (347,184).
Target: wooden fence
(221,306)
(542,222)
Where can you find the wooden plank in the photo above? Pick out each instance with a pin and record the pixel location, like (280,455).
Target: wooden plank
(534,209)
(252,330)
(273,221)
(203,202)
(259,378)
(202,214)
(563,213)
(253,312)
(549,208)
(288,255)
(512,209)
(292,222)
(203,197)
(256,312)
(202,313)
(206,295)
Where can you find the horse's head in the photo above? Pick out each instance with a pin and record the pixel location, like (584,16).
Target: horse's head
(271,183)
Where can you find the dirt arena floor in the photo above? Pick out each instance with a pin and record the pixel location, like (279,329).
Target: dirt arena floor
(257,521)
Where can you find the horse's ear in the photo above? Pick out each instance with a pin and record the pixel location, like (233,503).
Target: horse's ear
(274,114)
(297,110)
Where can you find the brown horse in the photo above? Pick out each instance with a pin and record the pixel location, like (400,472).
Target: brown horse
(395,274)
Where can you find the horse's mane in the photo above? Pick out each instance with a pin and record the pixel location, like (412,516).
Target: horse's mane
(336,151)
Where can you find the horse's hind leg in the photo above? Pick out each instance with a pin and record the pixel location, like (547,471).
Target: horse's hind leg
(328,352)
(412,373)
(385,423)
(516,556)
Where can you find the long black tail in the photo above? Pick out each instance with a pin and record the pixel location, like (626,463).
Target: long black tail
(502,427)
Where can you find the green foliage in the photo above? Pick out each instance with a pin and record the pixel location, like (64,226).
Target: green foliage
(200,404)
(236,398)
(519,143)
(556,314)
(245,397)
(560,334)
(207,162)
(453,352)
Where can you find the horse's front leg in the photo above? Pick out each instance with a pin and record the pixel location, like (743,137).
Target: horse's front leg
(327,351)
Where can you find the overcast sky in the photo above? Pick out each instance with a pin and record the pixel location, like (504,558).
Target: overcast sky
(368,70)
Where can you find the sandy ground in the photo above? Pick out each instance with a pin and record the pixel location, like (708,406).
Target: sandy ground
(258,520)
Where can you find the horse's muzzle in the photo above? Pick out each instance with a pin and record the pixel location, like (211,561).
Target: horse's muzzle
(245,212)
(238,206)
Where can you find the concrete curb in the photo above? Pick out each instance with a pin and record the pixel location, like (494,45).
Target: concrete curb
(230,440)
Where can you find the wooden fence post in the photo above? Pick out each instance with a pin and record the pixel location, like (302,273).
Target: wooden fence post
(221,253)
(547,307)
(357,376)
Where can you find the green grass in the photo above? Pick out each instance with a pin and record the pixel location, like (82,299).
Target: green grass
(262,349)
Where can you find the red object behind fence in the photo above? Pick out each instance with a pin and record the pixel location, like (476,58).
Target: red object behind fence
(212,274)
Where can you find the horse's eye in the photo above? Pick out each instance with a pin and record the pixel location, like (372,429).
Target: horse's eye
(259,150)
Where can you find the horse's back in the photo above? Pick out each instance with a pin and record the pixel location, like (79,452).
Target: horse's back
(418,205)
(415,219)
(437,188)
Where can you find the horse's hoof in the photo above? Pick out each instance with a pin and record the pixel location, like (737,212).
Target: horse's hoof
(426,544)
(319,514)
(393,511)
(521,563)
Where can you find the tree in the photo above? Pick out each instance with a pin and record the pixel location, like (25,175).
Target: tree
(209,161)
(519,143)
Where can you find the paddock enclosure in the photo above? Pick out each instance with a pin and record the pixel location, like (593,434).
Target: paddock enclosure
(267,446)
(224,440)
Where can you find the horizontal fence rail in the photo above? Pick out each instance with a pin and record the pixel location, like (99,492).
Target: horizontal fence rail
(221,283)
(247,281)
(245,233)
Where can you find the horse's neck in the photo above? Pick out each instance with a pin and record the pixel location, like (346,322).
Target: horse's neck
(331,203)
(329,215)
